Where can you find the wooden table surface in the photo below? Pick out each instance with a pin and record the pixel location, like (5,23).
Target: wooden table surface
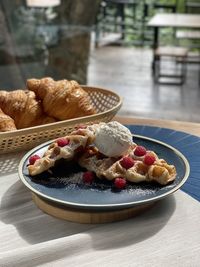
(175,20)
(192,128)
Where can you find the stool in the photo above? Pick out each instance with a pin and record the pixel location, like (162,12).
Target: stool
(179,54)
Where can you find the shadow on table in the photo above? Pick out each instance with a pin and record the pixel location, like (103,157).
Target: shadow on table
(34,226)
(134,230)
(9,162)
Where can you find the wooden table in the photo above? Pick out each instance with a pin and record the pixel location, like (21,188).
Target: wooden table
(192,128)
(174,21)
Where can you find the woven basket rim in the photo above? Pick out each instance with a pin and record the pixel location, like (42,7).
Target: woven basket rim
(69,122)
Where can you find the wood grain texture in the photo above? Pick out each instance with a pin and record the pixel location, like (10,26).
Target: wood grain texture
(189,127)
(84,216)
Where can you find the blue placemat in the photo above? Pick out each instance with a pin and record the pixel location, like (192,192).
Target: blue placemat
(186,143)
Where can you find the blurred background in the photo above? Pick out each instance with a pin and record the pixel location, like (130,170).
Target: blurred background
(107,44)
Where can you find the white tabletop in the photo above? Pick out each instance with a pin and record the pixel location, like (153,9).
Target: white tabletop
(166,235)
(175,20)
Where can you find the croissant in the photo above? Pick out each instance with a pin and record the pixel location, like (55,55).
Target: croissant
(6,122)
(23,108)
(61,99)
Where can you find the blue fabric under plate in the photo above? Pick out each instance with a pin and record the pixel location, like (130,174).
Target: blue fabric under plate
(186,143)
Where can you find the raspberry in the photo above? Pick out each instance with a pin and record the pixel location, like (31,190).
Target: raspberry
(127,162)
(62,142)
(120,183)
(149,159)
(140,151)
(33,159)
(88,177)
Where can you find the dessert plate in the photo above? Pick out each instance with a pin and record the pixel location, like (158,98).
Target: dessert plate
(64,186)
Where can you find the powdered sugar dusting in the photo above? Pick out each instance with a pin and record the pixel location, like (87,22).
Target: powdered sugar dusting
(75,179)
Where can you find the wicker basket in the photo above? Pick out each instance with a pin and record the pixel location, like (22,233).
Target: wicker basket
(106,102)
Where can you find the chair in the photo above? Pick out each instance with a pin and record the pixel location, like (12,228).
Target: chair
(179,55)
(192,6)
(167,6)
(112,14)
(192,35)
(153,7)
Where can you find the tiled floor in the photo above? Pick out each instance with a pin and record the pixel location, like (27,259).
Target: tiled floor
(127,71)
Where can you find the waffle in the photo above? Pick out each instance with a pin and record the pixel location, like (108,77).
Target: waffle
(78,140)
(81,144)
(110,168)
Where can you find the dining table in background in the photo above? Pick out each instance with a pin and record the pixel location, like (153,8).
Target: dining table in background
(176,21)
(168,234)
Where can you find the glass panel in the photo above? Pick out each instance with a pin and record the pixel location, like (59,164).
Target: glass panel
(44,38)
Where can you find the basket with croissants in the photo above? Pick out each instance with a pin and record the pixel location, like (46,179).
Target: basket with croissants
(49,108)
(44,101)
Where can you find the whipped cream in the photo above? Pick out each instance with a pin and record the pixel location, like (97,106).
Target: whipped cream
(112,139)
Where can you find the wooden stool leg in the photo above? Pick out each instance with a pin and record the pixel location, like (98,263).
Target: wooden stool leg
(156,73)
(199,74)
(184,69)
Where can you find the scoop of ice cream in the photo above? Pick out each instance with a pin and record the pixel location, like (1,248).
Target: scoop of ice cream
(112,139)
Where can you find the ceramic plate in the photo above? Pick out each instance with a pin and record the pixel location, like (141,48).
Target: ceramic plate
(64,186)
